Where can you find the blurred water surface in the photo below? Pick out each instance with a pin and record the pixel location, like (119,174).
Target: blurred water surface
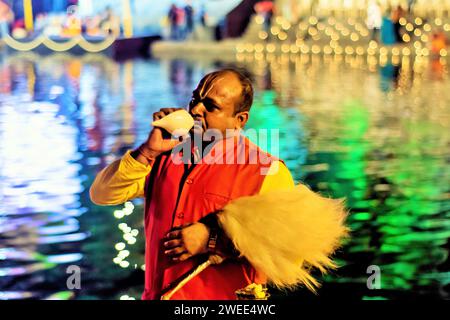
(375,135)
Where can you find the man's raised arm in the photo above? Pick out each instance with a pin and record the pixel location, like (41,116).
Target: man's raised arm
(121,181)
(124,179)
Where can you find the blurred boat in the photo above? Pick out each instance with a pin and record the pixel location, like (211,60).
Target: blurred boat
(123,48)
(117,47)
(72,39)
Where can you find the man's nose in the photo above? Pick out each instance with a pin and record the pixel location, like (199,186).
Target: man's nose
(198,110)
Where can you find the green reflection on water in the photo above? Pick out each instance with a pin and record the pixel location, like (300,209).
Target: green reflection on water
(391,166)
(287,122)
(404,241)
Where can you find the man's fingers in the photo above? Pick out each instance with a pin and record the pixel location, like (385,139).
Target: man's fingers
(175,252)
(176,234)
(182,257)
(172,143)
(158,115)
(172,243)
(169,110)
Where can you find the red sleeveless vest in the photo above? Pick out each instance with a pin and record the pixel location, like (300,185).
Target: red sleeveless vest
(175,197)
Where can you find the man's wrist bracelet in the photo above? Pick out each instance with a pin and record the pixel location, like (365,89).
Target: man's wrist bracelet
(213,225)
(212,241)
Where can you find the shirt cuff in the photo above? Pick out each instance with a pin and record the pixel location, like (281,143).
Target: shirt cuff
(130,163)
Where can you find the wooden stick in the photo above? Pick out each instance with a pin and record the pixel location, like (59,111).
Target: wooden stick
(214,259)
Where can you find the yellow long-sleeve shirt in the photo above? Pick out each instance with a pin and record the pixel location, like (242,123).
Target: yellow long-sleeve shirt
(124,180)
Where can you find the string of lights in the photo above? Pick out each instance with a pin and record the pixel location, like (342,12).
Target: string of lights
(342,36)
(129,238)
(60,46)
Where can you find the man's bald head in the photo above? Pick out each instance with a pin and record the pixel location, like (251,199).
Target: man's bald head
(245,101)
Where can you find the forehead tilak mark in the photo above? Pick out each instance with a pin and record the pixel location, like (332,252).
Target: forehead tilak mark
(209,83)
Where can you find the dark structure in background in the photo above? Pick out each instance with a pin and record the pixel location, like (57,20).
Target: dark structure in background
(238,18)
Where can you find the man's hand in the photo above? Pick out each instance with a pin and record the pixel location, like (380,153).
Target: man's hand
(158,141)
(182,243)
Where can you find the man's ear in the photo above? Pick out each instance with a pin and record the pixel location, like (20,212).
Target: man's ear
(242,118)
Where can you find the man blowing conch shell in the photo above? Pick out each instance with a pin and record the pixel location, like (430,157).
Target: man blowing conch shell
(186,184)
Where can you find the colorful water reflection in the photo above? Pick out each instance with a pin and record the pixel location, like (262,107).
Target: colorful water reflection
(375,135)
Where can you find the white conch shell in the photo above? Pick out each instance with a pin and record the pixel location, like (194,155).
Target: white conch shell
(179,120)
